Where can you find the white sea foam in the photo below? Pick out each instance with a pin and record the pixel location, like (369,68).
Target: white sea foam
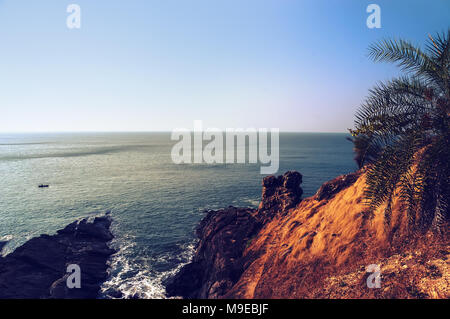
(252,202)
(137,279)
(6,238)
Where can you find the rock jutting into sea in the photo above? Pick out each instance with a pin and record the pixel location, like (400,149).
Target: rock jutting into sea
(323,246)
(225,234)
(38,268)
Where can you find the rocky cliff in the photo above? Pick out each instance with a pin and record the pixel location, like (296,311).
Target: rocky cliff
(38,269)
(318,247)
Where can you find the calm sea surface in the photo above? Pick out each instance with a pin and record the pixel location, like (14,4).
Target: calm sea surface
(155,203)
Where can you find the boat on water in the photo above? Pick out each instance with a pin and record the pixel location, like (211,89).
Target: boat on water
(43,186)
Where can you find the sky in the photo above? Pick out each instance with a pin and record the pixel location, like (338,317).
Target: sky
(296,65)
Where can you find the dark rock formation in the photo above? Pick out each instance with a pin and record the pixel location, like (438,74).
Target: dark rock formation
(279,194)
(331,188)
(225,234)
(38,268)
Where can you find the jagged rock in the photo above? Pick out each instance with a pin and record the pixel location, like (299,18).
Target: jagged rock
(318,249)
(37,269)
(225,234)
(280,194)
(331,188)
(217,265)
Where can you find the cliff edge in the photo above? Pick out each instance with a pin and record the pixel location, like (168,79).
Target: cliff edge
(318,247)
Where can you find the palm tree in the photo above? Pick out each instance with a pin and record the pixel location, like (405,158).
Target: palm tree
(402,132)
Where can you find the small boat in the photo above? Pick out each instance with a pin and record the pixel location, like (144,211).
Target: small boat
(43,186)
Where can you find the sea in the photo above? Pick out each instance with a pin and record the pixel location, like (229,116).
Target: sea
(155,204)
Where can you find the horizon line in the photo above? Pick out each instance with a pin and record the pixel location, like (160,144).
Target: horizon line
(162,131)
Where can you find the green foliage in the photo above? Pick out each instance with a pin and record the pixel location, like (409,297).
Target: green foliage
(402,132)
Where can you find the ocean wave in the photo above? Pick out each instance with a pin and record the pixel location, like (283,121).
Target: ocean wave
(132,278)
(251,202)
(4,240)
(6,237)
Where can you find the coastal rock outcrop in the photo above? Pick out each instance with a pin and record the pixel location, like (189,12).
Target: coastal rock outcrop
(38,268)
(225,234)
(279,194)
(217,265)
(317,247)
(331,188)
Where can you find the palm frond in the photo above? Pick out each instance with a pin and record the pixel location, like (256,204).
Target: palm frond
(402,132)
(408,57)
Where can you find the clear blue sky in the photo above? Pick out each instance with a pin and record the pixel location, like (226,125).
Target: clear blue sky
(158,65)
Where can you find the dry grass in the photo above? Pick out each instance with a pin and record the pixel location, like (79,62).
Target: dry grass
(320,250)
